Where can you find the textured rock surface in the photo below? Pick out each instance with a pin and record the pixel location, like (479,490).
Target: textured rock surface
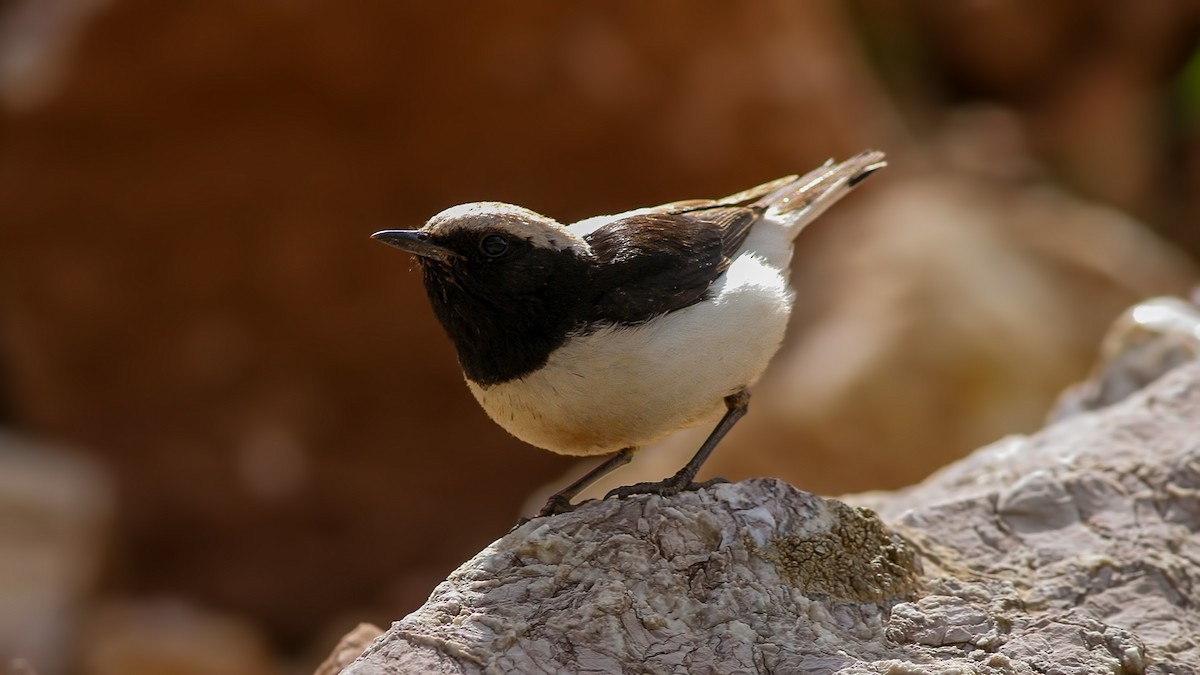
(754,576)
(1070,551)
(1091,522)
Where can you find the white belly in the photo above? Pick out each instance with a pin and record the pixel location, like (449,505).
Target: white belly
(629,386)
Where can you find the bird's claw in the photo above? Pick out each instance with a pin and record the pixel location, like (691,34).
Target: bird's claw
(556,505)
(663,488)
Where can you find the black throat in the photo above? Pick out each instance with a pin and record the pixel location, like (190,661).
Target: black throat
(506,319)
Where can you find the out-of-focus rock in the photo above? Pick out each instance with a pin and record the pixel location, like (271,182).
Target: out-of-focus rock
(1069,551)
(37,38)
(21,667)
(164,637)
(1148,341)
(55,508)
(948,307)
(348,648)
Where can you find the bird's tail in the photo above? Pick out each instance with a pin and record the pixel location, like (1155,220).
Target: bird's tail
(796,202)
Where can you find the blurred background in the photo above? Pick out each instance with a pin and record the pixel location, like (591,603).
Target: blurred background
(231,427)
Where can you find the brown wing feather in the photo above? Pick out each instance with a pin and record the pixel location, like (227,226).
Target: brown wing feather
(653,263)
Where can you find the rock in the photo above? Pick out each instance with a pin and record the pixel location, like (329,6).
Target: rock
(750,576)
(38,40)
(348,648)
(1087,526)
(1069,551)
(21,667)
(1147,341)
(55,508)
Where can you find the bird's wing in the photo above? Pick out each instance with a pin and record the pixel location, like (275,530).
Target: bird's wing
(654,262)
(743,198)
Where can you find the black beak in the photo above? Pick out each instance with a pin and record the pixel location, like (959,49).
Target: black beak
(866,171)
(416,242)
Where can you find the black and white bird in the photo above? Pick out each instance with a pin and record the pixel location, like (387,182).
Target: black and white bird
(606,335)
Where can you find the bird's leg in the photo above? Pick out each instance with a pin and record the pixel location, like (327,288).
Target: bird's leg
(560,502)
(736,405)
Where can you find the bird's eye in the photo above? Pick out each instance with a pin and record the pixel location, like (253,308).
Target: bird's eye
(494,245)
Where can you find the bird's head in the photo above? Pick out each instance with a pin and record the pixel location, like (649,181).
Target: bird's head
(474,237)
(498,273)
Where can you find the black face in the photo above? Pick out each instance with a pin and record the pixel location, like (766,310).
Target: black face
(504,302)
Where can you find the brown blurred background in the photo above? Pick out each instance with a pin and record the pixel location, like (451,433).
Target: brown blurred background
(234,426)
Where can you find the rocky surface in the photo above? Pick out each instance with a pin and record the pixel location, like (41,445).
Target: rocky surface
(1069,551)
(741,576)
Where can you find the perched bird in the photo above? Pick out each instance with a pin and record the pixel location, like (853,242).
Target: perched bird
(603,336)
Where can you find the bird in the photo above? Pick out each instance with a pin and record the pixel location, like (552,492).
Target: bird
(605,335)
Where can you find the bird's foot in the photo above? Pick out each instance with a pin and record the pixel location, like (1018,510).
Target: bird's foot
(556,505)
(663,488)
